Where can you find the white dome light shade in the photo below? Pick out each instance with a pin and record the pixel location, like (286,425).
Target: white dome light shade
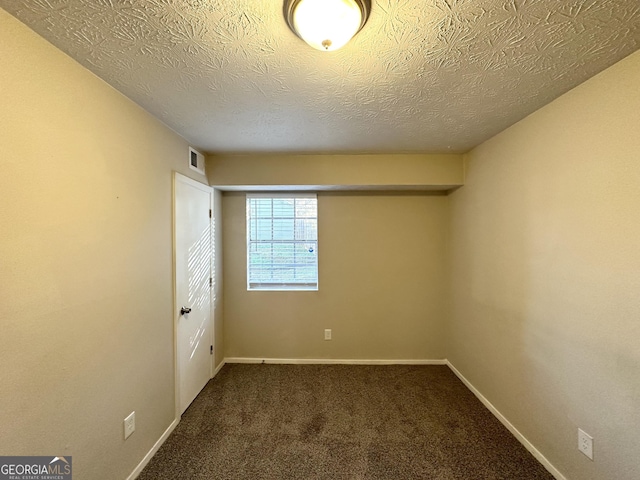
(326,24)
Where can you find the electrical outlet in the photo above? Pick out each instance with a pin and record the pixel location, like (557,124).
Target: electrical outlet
(327,334)
(129,425)
(585,443)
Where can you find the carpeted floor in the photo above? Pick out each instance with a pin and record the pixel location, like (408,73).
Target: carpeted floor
(340,422)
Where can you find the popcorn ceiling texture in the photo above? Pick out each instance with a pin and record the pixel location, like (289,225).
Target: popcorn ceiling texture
(422,76)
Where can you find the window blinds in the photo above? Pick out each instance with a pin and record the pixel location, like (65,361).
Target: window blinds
(282,242)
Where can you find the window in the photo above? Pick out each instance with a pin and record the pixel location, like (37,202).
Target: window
(282,242)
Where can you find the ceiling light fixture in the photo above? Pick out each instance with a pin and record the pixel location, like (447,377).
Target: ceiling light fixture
(326,24)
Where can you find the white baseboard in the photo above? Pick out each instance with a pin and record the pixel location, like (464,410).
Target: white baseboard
(521,438)
(162,438)
(218,368)
(153,450)
(332,361)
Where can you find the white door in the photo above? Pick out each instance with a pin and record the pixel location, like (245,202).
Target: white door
(193,270)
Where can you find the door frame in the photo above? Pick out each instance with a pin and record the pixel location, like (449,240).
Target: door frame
(178,177)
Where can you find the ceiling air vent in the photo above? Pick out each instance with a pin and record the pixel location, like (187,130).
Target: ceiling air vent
(196,161)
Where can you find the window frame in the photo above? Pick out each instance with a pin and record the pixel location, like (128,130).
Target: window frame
(284,286)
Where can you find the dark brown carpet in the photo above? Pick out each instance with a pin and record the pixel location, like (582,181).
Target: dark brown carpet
(340,422)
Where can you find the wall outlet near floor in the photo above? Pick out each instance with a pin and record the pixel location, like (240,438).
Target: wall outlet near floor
(327,334)
(129,425)
(585,443)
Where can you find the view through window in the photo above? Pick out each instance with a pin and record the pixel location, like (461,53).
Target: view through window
(282,242)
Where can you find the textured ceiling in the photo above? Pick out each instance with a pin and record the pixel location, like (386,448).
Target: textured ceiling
(422,76)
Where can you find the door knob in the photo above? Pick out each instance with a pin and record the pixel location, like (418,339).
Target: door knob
(185,310)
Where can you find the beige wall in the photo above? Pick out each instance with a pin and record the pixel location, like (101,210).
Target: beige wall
(85,262)
(545,255)
(381,289)
(370,172)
